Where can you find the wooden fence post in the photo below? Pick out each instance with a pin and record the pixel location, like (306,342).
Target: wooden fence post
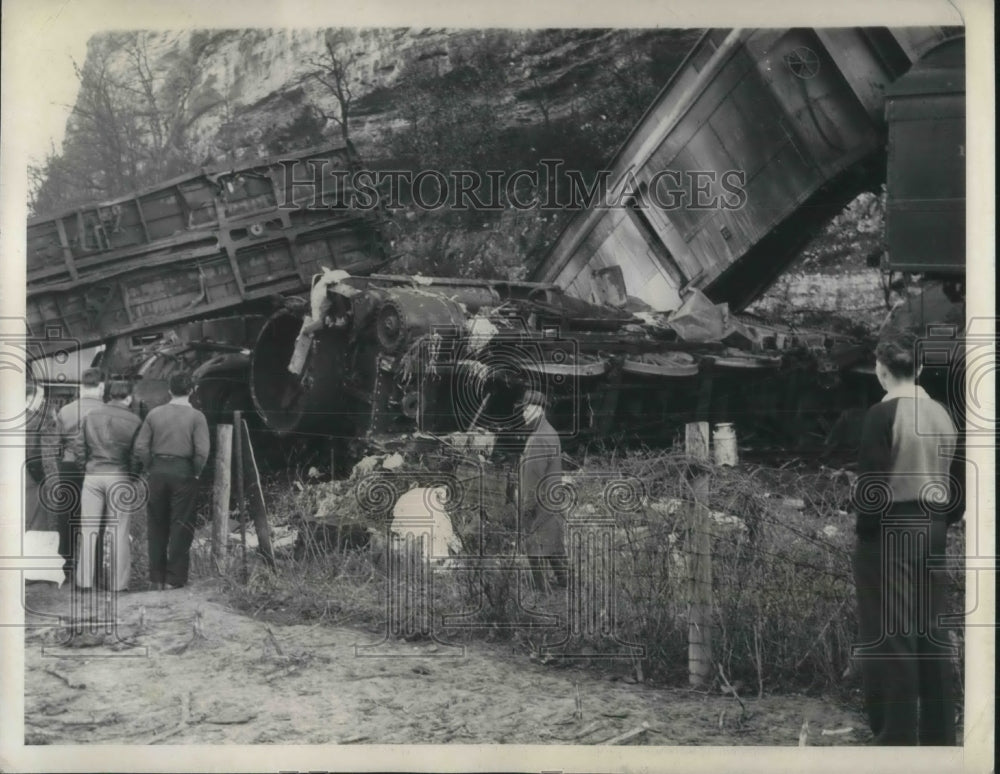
(221,491)
(255,497)
(240,499)
(699,560)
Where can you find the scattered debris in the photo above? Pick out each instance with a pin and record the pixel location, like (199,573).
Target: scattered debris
(836,731)
(198,638)
(181,726)
(365,466)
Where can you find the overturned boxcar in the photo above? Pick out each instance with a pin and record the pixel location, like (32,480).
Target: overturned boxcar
(199,246)
(182,275)
(755,143)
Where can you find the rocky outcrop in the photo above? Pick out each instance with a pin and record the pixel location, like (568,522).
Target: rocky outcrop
(250,92)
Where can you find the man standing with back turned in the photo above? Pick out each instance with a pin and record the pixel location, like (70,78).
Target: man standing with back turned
(541,526)
(104,446)
(905,498)
(173,446)
(71,472)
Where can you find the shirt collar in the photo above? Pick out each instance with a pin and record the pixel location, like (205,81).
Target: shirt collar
(180,400)
(906,391)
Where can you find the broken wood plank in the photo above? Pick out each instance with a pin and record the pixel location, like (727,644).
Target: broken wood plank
(75,684)
(588,730)
(231,720)
(181,726)
(255,498)
(628,734)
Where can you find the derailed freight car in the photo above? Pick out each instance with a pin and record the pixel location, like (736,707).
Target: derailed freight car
(757,141)
(195,247)
(183,274)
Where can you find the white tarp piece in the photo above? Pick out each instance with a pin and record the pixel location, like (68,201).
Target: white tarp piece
(480,331)
(392,462)
(45,546)
(319,305)
(426,506)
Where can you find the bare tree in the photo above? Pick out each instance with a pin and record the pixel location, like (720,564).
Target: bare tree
(541,100)
(163,102)
(332,69)
(103,119)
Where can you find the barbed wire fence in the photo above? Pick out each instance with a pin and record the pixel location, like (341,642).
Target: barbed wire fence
(782,612)
(783,597)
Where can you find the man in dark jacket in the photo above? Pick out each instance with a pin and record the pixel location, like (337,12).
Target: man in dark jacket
(37,514)
(71,469)
(541,527)
(173,446)
(905,497)
(104,446)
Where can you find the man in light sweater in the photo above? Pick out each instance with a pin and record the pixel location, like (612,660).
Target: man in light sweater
(104,445)
(173,445)
(906,495)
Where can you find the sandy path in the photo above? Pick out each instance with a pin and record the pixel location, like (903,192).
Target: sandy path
(306,685)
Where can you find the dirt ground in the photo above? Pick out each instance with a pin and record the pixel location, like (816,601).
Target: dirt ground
(183,668)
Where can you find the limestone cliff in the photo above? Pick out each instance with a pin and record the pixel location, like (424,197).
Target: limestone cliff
(237,94)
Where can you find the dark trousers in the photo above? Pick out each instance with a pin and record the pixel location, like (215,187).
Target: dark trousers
(904,654)
(68,515)
(172,492)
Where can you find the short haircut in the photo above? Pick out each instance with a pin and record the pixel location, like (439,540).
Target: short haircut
(119,390)
(897,353)
(533,398)
(180,383)
(91,377)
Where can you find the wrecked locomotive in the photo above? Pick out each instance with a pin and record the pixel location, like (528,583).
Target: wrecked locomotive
(397,355)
